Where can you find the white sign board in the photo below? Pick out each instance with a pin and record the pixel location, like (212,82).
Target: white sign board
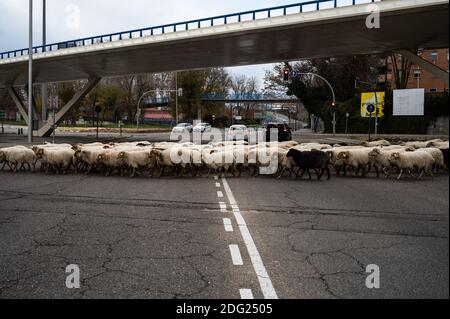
(409,102)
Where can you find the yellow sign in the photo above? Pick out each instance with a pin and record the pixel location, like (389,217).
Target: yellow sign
(375,100)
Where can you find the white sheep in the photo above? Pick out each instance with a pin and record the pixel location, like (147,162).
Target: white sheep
(136,160)
(357,159)
(437,154)
(410,161)
(18,155)
(381,156)
(376,143)
(56,158)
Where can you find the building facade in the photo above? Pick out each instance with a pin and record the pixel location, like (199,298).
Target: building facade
(420,78)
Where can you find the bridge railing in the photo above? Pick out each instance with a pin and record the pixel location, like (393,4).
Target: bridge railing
(312,5)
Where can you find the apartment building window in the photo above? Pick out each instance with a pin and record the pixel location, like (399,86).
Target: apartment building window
(417,73)
(434,56)
(433,90)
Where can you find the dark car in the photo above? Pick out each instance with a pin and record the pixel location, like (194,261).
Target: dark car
(284,131)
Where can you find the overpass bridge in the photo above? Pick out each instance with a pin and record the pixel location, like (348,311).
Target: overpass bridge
(225,98)
(313,29)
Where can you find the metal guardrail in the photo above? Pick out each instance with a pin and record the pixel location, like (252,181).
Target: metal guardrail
(313,5)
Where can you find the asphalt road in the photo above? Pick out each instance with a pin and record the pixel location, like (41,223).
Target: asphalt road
(170,238)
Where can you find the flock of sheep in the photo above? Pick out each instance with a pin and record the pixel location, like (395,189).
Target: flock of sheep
(414,158)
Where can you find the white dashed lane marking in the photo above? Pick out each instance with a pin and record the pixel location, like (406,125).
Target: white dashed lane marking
(258,265)
(223,207)
(219,194)
(236,255)
(218,185)
(246,294)
(228,225)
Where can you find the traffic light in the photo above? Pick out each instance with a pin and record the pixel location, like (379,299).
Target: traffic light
(333,107)
(286,74)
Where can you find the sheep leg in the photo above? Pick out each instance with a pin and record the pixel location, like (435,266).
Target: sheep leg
(401,174)
(4,164)
(364,172)
(377,171)
(238,168)
(296,174)
(282,172)
(303,173)
(422,172)
(161,172)
(321,172)
(309,174)
(338,170)
(328,173)
(386,172)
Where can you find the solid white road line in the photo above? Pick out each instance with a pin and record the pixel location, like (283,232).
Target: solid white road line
(236,255)
(219,194)
(246,294)
(258,265)
(228,225)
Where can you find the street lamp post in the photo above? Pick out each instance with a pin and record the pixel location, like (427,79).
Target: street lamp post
(44,42)
(30,73)
(332,92)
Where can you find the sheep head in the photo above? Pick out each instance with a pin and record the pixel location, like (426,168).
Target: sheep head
(375,152)
(343,155)
(40,153)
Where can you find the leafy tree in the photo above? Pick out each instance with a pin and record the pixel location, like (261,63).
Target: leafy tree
(198,82)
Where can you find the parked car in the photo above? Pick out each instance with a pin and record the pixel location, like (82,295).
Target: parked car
(202,128)
(237,133)
(284,131)
(183,128)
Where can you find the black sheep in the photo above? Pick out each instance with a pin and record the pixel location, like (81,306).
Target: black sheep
(306,160)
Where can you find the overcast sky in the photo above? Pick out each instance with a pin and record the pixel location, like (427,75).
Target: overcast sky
(108,16)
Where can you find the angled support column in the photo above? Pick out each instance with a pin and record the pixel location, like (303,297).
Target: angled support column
(18,101)
(426,65)
(46,130)
(21,105)
(36,115)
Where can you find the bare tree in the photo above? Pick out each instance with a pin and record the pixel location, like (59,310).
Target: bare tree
(401,69)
